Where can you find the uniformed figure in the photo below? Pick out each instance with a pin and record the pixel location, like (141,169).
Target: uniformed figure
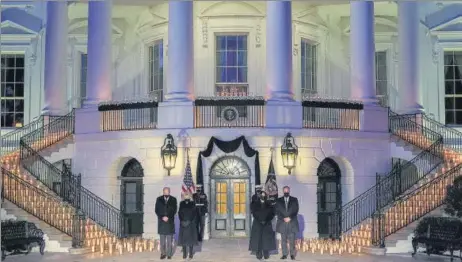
(262,236)
(258,190)
(200,199)
(187,237)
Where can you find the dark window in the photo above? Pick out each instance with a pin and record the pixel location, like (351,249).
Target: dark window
(453,87)
(132,198)
(12,88)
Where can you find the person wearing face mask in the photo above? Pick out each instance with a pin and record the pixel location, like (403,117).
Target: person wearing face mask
(256,196)
(287,224)
(187,237)
(262,238)
(202,206)
(166,207)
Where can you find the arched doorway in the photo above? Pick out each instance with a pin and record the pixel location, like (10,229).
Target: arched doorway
(329,199)
(230,194)
(131,197)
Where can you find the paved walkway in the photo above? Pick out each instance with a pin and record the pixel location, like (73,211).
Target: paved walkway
(218,251)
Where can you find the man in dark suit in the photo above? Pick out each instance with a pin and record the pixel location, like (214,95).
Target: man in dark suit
(287,225)
(166,207)
(202,205)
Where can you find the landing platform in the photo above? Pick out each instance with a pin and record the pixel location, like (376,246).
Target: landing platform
(218,250)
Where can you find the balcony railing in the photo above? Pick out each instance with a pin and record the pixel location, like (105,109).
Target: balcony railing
(128,115)
(331,114)
(212,112)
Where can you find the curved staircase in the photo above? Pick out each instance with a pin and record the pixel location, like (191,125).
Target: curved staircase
(56,196)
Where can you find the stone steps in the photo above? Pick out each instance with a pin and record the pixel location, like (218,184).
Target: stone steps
(55,240)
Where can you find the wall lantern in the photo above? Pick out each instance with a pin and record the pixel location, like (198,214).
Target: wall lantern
(169,153)
(289,152)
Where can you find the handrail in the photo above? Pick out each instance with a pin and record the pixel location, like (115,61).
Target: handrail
(452,138)
(387,189)
(63,182)
(10,141)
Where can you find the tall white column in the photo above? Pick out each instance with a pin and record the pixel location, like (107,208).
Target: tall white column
(56,59)
(362,49)
(180,74)
(279,51)
(408,40)
(99,67)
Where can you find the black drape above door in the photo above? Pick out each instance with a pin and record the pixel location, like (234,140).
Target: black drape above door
(227,147)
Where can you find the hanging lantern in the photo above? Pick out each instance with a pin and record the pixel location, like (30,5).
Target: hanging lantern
(289,152)
(169,153)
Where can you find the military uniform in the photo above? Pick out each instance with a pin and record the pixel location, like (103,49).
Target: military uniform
(200,199)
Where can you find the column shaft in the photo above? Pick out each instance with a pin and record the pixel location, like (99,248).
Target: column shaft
(180,73)
(55,90)
(279,51)
(99,68)
(362,50)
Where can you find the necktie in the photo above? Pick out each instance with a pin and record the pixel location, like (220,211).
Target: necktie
(287,203)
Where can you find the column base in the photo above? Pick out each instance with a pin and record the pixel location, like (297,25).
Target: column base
(178,97)
(373,118)
(54,112)
(87,120)
(284,114)
(175,115)
(411,110)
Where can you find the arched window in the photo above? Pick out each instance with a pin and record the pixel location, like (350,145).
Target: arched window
(329,199)
(131,199)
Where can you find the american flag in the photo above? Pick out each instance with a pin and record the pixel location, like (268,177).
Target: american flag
(188,184)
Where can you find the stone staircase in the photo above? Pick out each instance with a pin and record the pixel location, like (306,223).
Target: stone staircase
(34,185)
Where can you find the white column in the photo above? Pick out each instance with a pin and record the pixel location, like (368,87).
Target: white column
(56,59)
(408,40)
(362,49)
(99,68)
(279,50)
(180,73)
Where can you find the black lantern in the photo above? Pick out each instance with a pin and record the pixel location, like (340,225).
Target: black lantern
(289,152)
(169,153)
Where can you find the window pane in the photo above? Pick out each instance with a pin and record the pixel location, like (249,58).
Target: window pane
(231,43)
(448,58)
(308,67)
(19,90)
(458,86)
(449,103)
(221,43)
(449,87)
(231,75)
(221,58)
(221,75)
(242,43)
(242,74)
(458,58)
(242,58)
(450,117)
(156,66)
(231,59)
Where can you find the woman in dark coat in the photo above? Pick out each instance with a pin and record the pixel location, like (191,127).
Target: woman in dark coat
(187,237)
(262,237)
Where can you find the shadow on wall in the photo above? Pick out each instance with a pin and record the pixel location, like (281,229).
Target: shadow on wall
(301,226)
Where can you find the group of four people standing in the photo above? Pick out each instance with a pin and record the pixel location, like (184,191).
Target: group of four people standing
(192,212)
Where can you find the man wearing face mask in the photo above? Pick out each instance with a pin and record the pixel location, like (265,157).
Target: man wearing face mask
(262,239)
(187,237)
(287,224)
(166,207)
(256,196)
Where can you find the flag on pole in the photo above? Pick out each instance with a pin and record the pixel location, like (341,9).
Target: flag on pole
(188,184)
(271,187)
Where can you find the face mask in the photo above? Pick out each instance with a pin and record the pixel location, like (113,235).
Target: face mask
(286,194)
(262,197)
(166,196)
(187,200)
(258,192)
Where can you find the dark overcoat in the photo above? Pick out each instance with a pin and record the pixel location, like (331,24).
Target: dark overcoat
(282,212)
(168,209)
(188,227)
(262,236)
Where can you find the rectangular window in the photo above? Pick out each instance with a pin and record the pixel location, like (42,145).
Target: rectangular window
(453,87)
(231,65)
(381,79)
(83,76)
(308,68)
(12,88)
(156,70)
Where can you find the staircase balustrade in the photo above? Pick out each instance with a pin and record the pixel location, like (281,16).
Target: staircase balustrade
(10,141)
(451,137)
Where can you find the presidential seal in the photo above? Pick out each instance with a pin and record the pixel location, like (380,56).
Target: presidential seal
(230,114)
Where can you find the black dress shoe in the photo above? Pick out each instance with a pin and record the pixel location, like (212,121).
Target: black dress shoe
(266,257)
(169,257)
(292,257)
(191,256)
(163,256)
(284,257)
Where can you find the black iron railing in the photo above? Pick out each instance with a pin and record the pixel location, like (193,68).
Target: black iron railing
(451,137)
(65,184)
(388,188)
(128,116)
(331,114)
(229,112)
(10,141)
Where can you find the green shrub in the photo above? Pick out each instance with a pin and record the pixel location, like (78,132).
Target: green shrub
(453,199)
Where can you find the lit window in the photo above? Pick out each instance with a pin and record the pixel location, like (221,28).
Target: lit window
(12,88)
(381,77)
(156,70)
(231,65)
(308,68)
(453,87)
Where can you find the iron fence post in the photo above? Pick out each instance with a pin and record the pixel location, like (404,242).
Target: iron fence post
(78,229)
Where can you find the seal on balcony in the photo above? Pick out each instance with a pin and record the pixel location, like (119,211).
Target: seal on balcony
(230,114)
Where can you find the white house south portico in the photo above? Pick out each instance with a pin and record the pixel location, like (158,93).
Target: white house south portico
(106,102)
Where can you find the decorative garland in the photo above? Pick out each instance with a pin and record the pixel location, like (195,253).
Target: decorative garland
(230,101)
(124,105)
(318,102)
